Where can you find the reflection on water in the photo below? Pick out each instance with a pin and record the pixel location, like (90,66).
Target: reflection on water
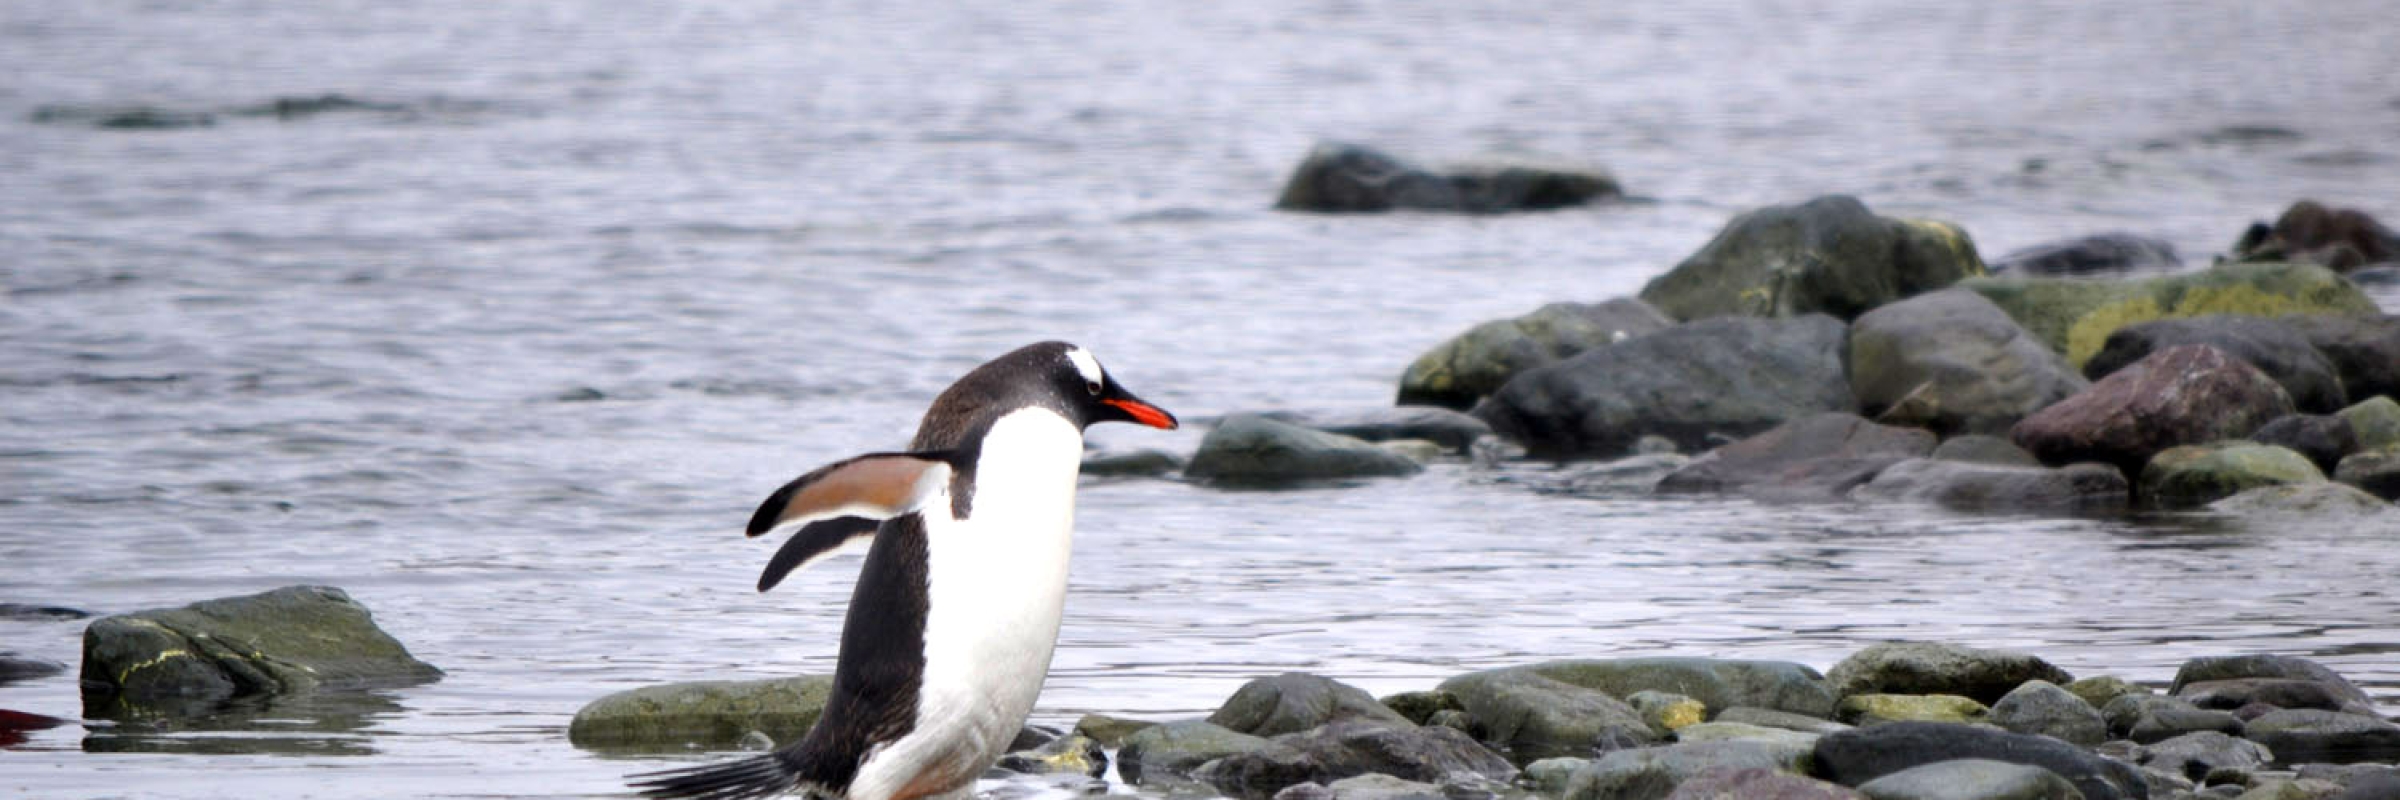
(314,724)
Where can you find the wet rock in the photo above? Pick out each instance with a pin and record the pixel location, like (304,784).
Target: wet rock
(1880,709)
(1249,450)
(2302,735)
(1417,707)
(1744,732)
(1066,755)
(1856,757)
(2314,233)
(2075,316)
(2319,502)
(1770,718)
(2182,395)
(1345,178)
(2209,669)
(706,714)
(1459,720)
(2383,784)
(1792,459)
(2375,421)
(1468,367)
(1952,362)
(293,639)
(1732,376)
(1364,787)
(291,108)
(2322,439)
(1976,448)
(1759,783)
(1173,750)
(124,118)
(2377,472)
(1971,779)
(1549,776)
(1109,731)
(1297,701)
(1936,668)
(1716,682)
(1829,255)
(1667,712)
(1631,475)
(1350,748)
(1536,717)
(23,612)
(1453,430)
(15,667)
(1655,772)
(2196,756)
(2043,709)
(2275,348)
(2100,690)
(2234,693)
(1977,486)
(2364,349)
(2097,254)
(2155,718)
(1134,464)
(1417,450)
(2194,475)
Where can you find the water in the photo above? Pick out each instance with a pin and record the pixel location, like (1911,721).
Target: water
(512,362)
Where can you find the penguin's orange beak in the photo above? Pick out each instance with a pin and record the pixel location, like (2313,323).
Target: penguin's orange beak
(1142,412)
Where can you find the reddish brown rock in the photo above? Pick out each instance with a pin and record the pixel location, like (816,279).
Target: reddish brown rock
(2181,395)
(2340,238)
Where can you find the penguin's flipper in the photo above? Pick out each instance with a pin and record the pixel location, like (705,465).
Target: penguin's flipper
(843,502)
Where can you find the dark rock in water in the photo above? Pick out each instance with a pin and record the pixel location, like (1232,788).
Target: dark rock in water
(1066,755)
(1981,486)
(2042,708)
(26,612)
(293,639)
(2305,734)
(2377,472)
(1855,757)
(2364,349)
(2156,718)
(1971,779)
(1794,459)
(2313,233)
(2277,349)
(1253,451)
(124,118)
(2193,475)
(2375,275)
(707,714)
(1731,376)
(1537,717)
(1759,783)
(1953,362)
(2091,255)
(15,667)
(2197,755)
(2376,421)
(1417,707)
(2208,669)
(1337,178)
(1977,448)
(2075,316)
(1656,772)
(1109,731)
(1934,668)
(1351,748)
(2234,693)
(1172,750)
(1032,736)
(1829,255)
(289,108)
(2322,503)
(2182,395)
(1135,464)
(1297,701)
(2323,439)
(1468,367)
(1635,475)
(1453,430)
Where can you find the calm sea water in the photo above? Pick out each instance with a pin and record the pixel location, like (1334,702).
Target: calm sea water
(510,356)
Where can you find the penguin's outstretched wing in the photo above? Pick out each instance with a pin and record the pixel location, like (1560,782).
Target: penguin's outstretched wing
(842,503)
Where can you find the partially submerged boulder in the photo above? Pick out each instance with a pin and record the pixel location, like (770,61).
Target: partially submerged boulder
(713,715)
(2377,472)
(1170,751)
(1938,668)
(1297,701)
(2275,348)
(1454,431)
(2198,474)
(2075,316)
(293,639)
(2309,231)
(1468,367)
(1347,178)
(2097,254)
(2182,395)
(1974,486)
(1250,450)
(1856,757)
(2321,502)
(1829,255)
(1952,362)
(1822,456)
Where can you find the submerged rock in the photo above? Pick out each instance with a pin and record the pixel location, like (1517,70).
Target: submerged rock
(2191,394)
(1829,255)
(1472,365)
(2305,734)
(1337,178)
(1351,748)
(2075,316)
(2275,348)
(1856,757)
(15,667)
(124,118)
(1249,450)
(708,714)
(1453,430)
(293,639)
(1971,779)
(1976,487)
(1935,668)
(1656,772)
(1297,701)
(1132,464)
(2311,232)
(2321,502)
(2198,474)
(1952,362)
(2377,472)
(29,612)
(1822,456)
(1172,750)
(2097,254)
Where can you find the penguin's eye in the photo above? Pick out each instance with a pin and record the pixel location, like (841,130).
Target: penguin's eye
(1092,386)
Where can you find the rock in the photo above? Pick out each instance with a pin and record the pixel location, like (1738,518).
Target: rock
(1744,732)
(2182,395)
(1253,451)
(1066,755)
(2154,718)
(2385,274)
(1417,707)
(124,118)
(15,667)
(1344,178)
(1856,757)
(1654,445)
(1631,475)
(2322,439)
(1417,450)
(2316,501)
(2381,785)
(1655,772)
(2195,756)
(1350,748)
(2101,253)
(2302,735)
(1458,720)
(2281,790)
(24,612)
(1715,682)
(1758,783)
(1878,709)
(1468,367)
(1667,712)
(2313,233)
(2043,709)
(1134,464)
(1935,668)
(706,714)
(1370,786)
(1109,731)
(2194,475)
(2099,690)
(2375,421)
(1297,701)
(1452,430)
(1971,779)
(1174,749)
(2075,316)
(2275,348)
(1767,717)
(1536,717)
(2364,349)
(1793,460)
(1976,448)
(1549,776)
(1978,486)
(1733,376)
(1953,362)
(293,639)
(1829,255)
(2209,669)
(2377,472)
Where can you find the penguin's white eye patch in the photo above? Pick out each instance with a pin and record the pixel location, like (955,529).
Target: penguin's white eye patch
(1088,367)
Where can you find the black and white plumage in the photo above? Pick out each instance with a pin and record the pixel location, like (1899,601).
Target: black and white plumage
(951,626)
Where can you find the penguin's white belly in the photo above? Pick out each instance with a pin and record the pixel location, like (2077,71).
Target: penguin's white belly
(996,585)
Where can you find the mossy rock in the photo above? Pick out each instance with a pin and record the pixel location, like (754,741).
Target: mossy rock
(293,639)
(2193,475)
(1828,255)
(2376,421)
(1876,709)
(706,714)
(2075,316)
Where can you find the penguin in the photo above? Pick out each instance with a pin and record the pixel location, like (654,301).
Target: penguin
(956,610)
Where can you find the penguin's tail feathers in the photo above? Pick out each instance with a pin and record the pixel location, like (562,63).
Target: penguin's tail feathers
(753,778)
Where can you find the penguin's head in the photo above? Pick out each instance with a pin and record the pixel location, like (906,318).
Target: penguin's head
(1096,397)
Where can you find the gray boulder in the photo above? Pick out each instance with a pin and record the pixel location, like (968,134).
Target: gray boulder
(2042,708)
(2209,669)
(1350,748)
(1821,456)
(2097,254)
(1653,773)
(2193,475)
(1472,365)
(712,715)
(2157,718)
(2275,348)
(1829,255)
(2317,502)
(2195,756)
(2363,348)
(1759,783)
(1935,668)
(1976,448)
(1454,431)
(1732,376)
(2300,735)
(1953,362)
(1535,717)
(2323,438)
(2377,472)
(1297,701)
(1172,750)
(1853,758)
(2182,395)
(1716,682)
(1253,451)
(293,639)
(1971,779)
(1981,486)
(1346,178)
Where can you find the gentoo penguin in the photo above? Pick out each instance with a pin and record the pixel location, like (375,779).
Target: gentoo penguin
(956,609)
